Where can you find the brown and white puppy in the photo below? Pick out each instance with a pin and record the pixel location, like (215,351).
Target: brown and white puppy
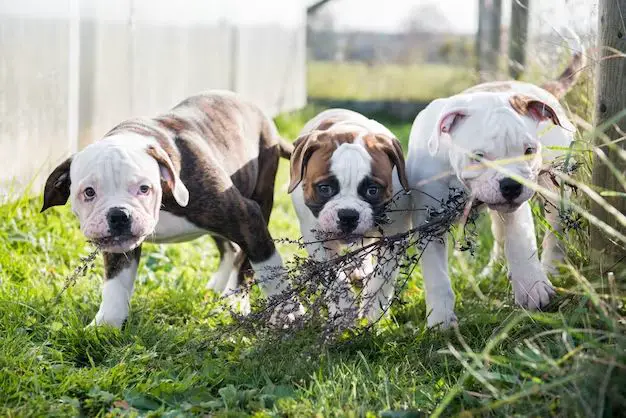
(345,170)
(206,167)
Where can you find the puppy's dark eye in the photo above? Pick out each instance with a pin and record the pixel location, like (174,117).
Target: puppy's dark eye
(144,189)
(325,190)
(89,193)
(373,190)
(530,151)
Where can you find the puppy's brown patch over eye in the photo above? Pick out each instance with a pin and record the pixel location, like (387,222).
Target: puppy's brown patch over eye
(325,190)
(317,166)
(382,168)
(372,190)
(320,193)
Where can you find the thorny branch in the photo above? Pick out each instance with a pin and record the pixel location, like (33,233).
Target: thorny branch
(313,281)
(567,216)
(321,284)
(85,264)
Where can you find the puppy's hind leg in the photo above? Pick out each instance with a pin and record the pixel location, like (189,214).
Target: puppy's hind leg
(228,253)
(236,291)
(257,241)
(228,279)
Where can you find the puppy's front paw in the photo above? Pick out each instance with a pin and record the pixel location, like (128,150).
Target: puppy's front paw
(286,313)
(102,318)
(442,318)
(532,291)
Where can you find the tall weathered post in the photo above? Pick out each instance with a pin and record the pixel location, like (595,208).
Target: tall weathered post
(488,38)
(518,35)
(610,102)
(479,34)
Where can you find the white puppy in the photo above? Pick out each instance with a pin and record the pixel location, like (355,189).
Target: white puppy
(454,144)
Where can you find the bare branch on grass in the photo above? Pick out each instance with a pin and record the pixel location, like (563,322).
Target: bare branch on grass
(315,282)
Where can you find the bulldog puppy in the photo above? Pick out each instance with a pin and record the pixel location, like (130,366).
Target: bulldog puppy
(206,167)
(345,170)
(455,143)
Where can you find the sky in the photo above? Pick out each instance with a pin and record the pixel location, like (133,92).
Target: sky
(389,15)
(283,12)
(373,15)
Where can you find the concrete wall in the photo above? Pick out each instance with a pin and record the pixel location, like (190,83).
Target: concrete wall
(71,69)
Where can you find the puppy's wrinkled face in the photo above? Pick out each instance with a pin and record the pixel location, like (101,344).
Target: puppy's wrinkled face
(346,179)
(505,142)
(115,188)
(489,141)
(116,193)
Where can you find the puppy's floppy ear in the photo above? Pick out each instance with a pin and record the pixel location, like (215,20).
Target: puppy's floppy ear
(57,189)
(169,176)
(393,149)
(536,109)
(445,124)
(303,149)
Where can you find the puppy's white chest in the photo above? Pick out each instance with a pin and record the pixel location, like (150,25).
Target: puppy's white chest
(171,228)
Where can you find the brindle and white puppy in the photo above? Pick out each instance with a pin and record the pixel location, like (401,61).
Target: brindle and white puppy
(344,172)
(455,143)
(206,167)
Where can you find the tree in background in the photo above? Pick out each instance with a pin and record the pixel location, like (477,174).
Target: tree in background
(421,21)
(457,51)
(426,18)
(321,22)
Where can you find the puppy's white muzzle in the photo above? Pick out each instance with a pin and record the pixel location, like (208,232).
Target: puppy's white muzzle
(346,217)
(118,228)
(500,192)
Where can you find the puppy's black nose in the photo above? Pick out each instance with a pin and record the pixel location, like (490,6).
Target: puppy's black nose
(348,220)
(119,221)
(510,189)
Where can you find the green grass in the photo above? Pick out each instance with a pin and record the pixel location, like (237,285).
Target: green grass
(359,81)
(173,360)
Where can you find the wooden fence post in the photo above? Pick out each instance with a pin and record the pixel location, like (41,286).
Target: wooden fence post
(479,34)
(610,101)
(488,38)
(518,35)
